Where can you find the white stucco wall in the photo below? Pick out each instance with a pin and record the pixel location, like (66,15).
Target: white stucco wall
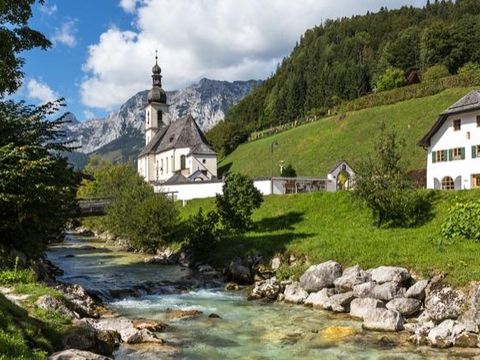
(446,138)
(196,162)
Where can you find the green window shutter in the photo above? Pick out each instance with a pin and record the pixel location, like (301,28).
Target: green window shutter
(474,151)
(450,155)
(445,154)
(462,153)
(434,157)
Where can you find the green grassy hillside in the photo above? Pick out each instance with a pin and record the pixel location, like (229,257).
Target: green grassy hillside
(335,226)
(314,148)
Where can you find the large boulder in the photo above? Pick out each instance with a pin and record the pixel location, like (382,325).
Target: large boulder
(466,339)
(320,276)
(360,307)
(339,302)
(128,333)
(50,303)
(238,272)
(442,335)
(386,291)
(294,293)
(417,290)
(351,276)
(384,274)
(81,302)
(266,289)
(472,315)
(74,354)
(383,320)
(443,303)
(405,306)
(319,299)
(147,324)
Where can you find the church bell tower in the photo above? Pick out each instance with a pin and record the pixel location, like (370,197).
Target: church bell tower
(156,112)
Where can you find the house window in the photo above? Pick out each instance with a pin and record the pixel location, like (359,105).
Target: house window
(475,151)
(457,154)
(457,124)
(441,155)
(183,164)
(448,183)
(475,181)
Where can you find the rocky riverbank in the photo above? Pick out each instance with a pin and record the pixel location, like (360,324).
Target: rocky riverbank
(387,299)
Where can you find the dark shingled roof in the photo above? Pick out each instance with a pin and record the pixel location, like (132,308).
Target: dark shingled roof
(182,133)
(337,165)
(178,178)
(469,102)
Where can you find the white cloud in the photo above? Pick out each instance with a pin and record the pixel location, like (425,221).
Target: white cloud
(40,91)
(88,114)
(219,39)
(65,34)
(128,5)
(48,9)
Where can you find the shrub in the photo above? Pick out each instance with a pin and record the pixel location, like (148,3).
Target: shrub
(289,171)
(15,277)
(203,234)
(463,220)
(381,181)
(435,72)
(470,70)
(235,206)
(390,79)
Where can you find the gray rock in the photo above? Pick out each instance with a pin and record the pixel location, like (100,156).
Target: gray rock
(239,273)
(74,354)
(386,291)
(350,277)
(359,308)
(441,336)
(405,306)
(320,276)
(276,262)
(127,331)
(466,339)
(319,299)
(444,303)
(384,274)
(79,300)
(339,302)
(294,293)
(51,303)
(363,290)
(266,289)
(472,315)
(85,337)
(383,320)
(417,290)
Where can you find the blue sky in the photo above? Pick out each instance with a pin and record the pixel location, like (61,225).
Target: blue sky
(104,49)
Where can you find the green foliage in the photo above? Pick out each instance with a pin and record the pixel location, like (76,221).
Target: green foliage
(288,171)
(390,79)
(463,221)
(15,37)
(381,181)
(37,186)
(340,59)
(147,220)
(235,206)
(14,277)
(204,234)
(435,72)
(471,71)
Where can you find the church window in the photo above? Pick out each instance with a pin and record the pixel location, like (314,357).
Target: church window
(161,166)
(204,161)
(183,164)
(148,117)
(173,164)
(166,165)
(159,117)
(157,169)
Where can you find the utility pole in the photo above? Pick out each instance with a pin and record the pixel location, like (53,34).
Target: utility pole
(272,147)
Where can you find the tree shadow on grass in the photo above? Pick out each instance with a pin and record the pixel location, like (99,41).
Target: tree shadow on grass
(224,169)
(282,222)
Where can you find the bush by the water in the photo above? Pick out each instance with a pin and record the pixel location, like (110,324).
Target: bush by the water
(463,220)
(203,234)
(235,206)
(382,182)
(145,219)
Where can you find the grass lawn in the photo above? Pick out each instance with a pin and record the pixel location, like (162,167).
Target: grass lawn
(324,226)
(314,148)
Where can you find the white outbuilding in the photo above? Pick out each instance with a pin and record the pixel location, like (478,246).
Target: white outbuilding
(453,145)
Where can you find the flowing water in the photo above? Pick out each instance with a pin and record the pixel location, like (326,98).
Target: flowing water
(245,329)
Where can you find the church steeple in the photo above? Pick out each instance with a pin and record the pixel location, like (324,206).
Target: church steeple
(157,94)
(156,71)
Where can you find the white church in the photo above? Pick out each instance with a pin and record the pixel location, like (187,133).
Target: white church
(176,150)
(453,145)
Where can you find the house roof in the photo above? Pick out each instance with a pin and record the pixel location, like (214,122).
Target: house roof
(340,162)
(469,102)
(183,133)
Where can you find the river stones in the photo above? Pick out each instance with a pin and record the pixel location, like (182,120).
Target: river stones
(360,307)
(265,289)
(294,293)
(385,274)
(444,303)
(441,336)
(386,291)
(81,302)
(50,303)
(337,333)
(183,314)
(417,290)
(127,331)
(239,273)
(351,276)
(319,299)
(74,354)
(151,325)
(320,276)
(381,319)
(231,286)
(405,306)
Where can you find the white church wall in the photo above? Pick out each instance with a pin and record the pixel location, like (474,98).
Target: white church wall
(201,162)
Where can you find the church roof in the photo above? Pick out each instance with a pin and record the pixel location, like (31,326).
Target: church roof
(183,133)
(469,102)
(177,178)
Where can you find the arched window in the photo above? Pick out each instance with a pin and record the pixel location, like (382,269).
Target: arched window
(161,166)
(448,183)
(157,169)
(183,164)
(148,117)
(166,165)
(159,117)
(173,163)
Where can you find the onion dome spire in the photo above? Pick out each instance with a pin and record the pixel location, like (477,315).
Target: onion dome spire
(157,94)
(156,71)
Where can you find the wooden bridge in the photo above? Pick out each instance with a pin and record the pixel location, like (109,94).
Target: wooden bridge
(92,206)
